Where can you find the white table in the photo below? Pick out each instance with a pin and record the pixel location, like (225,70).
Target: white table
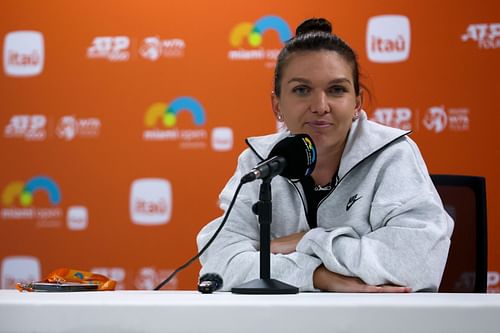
(190,311)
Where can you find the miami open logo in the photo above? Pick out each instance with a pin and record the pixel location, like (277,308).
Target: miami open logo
(166,114)
(18,199)
(247,38)
(161,121)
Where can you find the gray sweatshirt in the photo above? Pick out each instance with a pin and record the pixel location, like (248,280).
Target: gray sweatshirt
(383,222)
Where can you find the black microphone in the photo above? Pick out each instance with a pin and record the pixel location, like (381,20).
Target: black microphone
(293,157)
(209,283)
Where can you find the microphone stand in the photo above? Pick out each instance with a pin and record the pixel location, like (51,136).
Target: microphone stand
(265,285)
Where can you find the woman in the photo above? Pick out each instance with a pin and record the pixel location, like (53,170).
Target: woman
(368,219)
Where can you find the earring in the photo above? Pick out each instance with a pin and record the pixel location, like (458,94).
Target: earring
(280,117)
(356,116)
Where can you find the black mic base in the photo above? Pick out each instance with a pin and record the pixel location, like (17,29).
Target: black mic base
(265,287)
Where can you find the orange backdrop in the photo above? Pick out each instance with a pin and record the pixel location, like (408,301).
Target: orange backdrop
(121,121)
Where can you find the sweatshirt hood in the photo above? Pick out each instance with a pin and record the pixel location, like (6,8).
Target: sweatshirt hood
(364,139)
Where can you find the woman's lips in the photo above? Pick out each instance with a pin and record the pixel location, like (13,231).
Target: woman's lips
(319,124)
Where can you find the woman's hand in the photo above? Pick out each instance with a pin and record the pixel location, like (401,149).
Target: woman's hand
(287,244)
(328,281)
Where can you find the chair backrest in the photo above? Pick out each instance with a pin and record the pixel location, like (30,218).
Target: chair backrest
(464,198)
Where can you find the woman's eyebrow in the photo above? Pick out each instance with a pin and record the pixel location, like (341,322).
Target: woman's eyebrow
(303,80)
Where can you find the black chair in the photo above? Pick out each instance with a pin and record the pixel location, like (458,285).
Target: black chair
(464,198)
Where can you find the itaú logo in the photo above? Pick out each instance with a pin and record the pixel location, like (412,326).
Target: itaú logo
(388,38)
(23,53)
(151,207)
(23,269)
(150,201)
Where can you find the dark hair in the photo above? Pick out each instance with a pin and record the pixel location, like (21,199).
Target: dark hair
(315,34)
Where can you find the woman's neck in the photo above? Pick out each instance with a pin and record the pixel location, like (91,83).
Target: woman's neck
(327,164)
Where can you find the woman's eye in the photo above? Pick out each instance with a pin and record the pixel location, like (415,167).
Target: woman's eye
(337,90)
(300,90)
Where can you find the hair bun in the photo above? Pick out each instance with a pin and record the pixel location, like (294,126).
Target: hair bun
(312,25)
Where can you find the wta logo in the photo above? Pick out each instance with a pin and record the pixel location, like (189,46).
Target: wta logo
(252,34)
(166,114)
(25,192)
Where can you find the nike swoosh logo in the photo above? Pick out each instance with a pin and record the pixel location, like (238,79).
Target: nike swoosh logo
(351,202)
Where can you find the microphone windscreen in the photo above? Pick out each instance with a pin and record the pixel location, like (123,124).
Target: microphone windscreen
(209,283)
(299,152)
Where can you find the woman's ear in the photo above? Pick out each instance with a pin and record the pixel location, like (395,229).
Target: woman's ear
(275,103)
(359,106)
(359,101)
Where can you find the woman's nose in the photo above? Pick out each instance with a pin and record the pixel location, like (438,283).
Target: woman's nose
(319,103)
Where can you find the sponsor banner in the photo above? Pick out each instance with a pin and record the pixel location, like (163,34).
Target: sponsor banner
(19,269)
(77,218)
(18,204)
(112,48)
(399,117)
(246,40)
(71,127)
(119,48)
(35,127)
(150,201)
(147,278)
(161,123)
(23,53)
(388,38)
(27,127)
(435,119)
(438,119)
(154,48)
(170,95)
(222,139)
(485,35)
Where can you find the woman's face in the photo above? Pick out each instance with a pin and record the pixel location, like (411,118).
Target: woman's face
(318,97)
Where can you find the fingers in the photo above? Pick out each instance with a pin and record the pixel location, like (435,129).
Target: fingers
(386,289)
(329,281)
(393,289)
